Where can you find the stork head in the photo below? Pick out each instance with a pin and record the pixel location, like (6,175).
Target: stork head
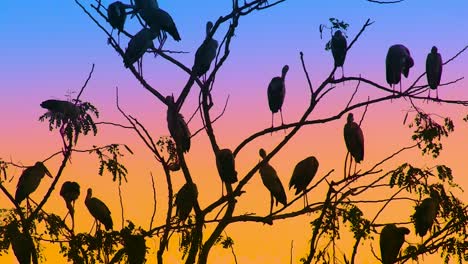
(43,168)
(209,26)
(404,230)
(338,33)
(89,194)
(434,50)
(350,118)
(262,153)
(284,71)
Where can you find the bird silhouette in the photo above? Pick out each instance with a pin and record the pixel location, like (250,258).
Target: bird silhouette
(205,54)
(433,70)
(98,210)
(226,166)
(142,4)
(135,247)
(272,182)
(30,180)
(303,174)
(65,108)
(425,215)
(354,139)
(21,243)
(70,191)
(177,127)
(339,47)
(137,46)
(276,93)
(160,22)
(116,15)
(398,61)
(185,200)
(391,240)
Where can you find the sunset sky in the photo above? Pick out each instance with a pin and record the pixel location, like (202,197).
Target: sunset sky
(48,48)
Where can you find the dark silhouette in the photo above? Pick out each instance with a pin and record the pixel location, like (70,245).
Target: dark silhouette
(185,200)
(21,244)
(226,166)
(116,15)
(160,21)
(205,54)
(142,4)
(70,191)
(303,174)
(354,139)
(30,180)
(434,70)
(425,215)
(98,210)
(66,108)
(398,61)
(137,46)
(391,240)
(135,247)
(338,48)
(276,93)
(177,126)
(271,180)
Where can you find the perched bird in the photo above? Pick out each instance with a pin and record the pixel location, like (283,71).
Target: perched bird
(21,243)
(425,215)
(116,15)
(70,191)
(398,61)
(276,93)
(226,166)
(354,139)
(185,200)
(142,4)
(303,174)
(205,54)
(137,46)
(271,180)
(177,126)
(98,210)
(30,180)
(65,108)
(339,48)
(159,20)
(391,240)
(433,70)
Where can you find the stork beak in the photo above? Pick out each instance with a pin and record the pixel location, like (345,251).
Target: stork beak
(48,173)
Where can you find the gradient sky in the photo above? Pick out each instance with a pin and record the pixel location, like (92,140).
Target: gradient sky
(48,48)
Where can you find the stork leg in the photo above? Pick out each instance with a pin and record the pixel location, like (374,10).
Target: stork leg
(282,123)
(271,203)
(271,133)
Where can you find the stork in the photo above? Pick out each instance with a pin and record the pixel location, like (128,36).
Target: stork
(185,200)
(137,46)
(339,48)
(433,70)
(391,240)
(398,61)
(303,174)
(98,210)
(272,182)
(30,180)
(177,127)
(276,93)
(354,139)
(70,191)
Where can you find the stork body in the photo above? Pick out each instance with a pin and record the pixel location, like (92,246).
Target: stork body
(397,62)
(159,20)
(272,182)
(391,240)
(30,180)
(185,200)
(226,166)
(205,54)
(116,15)
(339,47)
(434,69)
(65,108)
(177,127)
(354,139)
(70,191)
(98,210)
(303,174)
(137,46)
(276,93)
(425,215)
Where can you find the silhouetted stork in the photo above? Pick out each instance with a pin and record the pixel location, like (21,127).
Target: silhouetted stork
(276,93)
(177,126)
(339,47)
(65,108)
(116,15)
(21,243)
(141,4)
(98,210)
(205,54)
(271,180)
(185,200)
(70,191)
(398,61)
(137,46)
(391,240)
(354,139)
(434,70)
(425,215)
(226,166)
(303,174)
(30,180)
(160,21)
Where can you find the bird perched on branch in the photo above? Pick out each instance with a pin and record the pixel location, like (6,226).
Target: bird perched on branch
(433,70)
(116,15)
(30,180)
(185,200)
(98,210)
(65,108)
(177,127)
(271,180)
(137,46)
(398,61)
(339,48)
(70,191)
(276,93)
(226,166)
(160,22)
(303,174)
(354,139)
(206,53)
(425,214)
(391,240)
